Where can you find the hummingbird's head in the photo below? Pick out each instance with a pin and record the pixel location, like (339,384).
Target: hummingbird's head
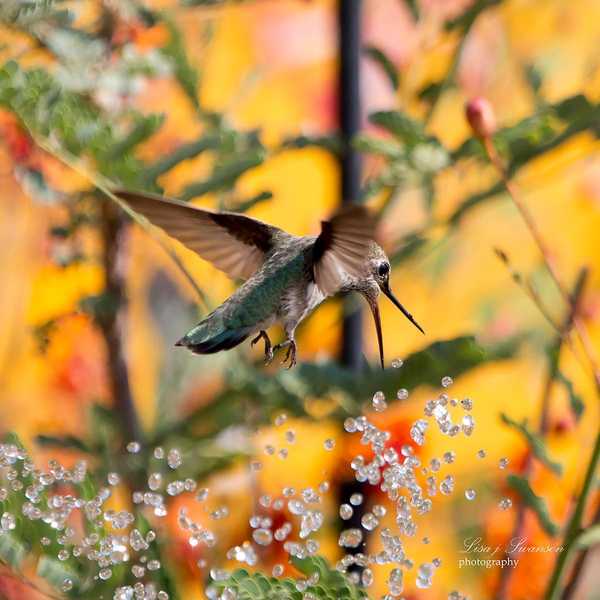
(376,281)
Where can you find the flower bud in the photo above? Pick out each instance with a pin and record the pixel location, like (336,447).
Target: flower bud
(481,118)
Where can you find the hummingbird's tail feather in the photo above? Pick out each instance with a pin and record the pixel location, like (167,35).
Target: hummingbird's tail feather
(201,340)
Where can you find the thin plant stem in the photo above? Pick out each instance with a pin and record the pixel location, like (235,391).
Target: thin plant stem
(529,290)
(545,251)
(571,585)
(573,527)
(543,425)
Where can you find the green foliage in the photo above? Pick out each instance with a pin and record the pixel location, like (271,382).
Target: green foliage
(535,442)
(387,66)
(185,73)
(531,500)
(271,393)
(588,538)
(331,584)
(575,402)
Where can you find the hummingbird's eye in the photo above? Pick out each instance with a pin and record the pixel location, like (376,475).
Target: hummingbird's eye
(383,269)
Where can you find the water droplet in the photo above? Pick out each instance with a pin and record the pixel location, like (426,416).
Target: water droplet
(397,363)
(329,444)
(379,403)
(346,511)
(367,578)
(262,537)
(350,425)
(174,458)
(290,436)
(447,381)
(505,503)
(369,521)
(67,585)
(481,453)
(467,403)
(280,419)
(468,424)
(449,457)
(447,485)
(350,538)
(154,481)
(105,574)
(159,453)
(356,499)
(7,522)
(218,574)
(134,447)
(402,394)
(503,463)
(113,479)
(277,570)
(470,494)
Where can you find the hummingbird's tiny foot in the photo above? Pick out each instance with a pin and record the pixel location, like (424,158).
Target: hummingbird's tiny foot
(290,355)
(269,355)
(268,352)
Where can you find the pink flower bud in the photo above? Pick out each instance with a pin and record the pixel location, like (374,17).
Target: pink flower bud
(480,116)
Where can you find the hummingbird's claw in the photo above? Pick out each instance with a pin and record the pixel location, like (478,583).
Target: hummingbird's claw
(269,355)
(290,355)
(268,351)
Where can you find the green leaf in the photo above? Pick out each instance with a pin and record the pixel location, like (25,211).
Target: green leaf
(330,143)
(534,78)
(383,61)
(535,503)
(465,21)
(55,572)
(143,128)
(400,125)
(575,401)
(373,145)
(535,442)
(224,175)
(69,442)
(411,244)
(99,306)
(413,6)
(186,74)
(245,205)
(588,538)
(12,550)
(431,91)
(474,201)
(184,152)
(332,585)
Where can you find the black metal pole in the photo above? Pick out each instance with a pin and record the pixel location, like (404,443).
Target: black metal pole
(349,17)
(350,166)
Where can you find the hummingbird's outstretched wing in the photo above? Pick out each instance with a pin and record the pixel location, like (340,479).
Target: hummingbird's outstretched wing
(341,249)
(234,243)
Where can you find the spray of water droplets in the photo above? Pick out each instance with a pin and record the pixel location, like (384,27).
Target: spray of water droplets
(116,539)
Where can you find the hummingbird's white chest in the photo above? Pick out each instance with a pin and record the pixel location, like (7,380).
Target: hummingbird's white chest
(298,302)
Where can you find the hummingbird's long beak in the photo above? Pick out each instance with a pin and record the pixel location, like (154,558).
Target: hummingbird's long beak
(375,310)
(388,292)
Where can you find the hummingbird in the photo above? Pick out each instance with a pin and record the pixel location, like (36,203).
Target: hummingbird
(285,277)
